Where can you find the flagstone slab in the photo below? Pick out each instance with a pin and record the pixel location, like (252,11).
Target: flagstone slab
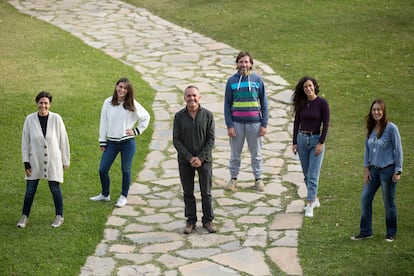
(246,260)
(286,258)
(198,253)
(153,237)
(209,240)
(98,266)
(162,247)
(155,218)
(247,197)
(252,220)
(295,206)
(122,248)
(172,261)
(206,268)
(287,221)
(115,221)
(133,257)
(290,239)
(131,270)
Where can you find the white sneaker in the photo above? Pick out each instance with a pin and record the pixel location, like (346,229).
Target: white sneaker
(122,201)
(309,211)
(23,222)
(58,221)
(100,197)
(316,203)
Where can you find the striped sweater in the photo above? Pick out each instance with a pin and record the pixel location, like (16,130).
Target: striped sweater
(245,100)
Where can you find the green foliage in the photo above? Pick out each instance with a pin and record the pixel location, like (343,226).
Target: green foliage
(36,56)
(358,51)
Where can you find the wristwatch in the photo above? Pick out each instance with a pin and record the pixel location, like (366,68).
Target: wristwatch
(398,173)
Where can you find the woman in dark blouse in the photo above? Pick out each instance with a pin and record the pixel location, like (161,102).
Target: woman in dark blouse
(309,133)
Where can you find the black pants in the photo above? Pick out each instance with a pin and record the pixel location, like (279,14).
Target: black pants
(187,174)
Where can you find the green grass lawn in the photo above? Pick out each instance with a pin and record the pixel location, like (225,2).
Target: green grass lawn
(358,51)
(36,56)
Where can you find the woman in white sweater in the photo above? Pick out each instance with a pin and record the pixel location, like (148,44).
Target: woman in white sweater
(46,154)
(122,118)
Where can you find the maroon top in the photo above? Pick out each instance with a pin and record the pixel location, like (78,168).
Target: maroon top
(313,116)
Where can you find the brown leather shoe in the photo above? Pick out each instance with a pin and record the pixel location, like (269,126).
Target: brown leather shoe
(211,228)
(189,228)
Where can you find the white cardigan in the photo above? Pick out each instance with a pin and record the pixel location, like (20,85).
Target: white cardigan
(46,155)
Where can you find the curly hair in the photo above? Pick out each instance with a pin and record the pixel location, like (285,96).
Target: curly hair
(299,98)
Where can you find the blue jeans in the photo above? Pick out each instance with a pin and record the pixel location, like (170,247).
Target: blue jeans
(379,177)
(127,150)
(187,174)
(311,164)
(251,133)
(31,187)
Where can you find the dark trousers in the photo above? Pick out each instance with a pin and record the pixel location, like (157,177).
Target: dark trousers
(31,188)
(187,174)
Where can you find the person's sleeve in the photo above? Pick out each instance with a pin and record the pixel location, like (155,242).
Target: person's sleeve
(177,142)
(264,106)
(64,143)
(296,128)
(398,153)
(143,119)
(210,137)
(366,154)
(26,142)
(325,121)
(103,126)
(228,102)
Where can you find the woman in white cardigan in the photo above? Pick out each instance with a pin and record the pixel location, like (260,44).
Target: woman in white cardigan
(46,154)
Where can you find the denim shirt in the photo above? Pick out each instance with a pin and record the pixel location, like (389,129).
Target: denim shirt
(386,150)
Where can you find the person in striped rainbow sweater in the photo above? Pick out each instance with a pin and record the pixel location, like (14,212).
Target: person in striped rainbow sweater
(246,114)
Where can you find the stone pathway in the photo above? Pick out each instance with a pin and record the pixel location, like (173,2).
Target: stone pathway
(257,232)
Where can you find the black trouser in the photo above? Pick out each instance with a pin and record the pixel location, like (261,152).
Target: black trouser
(187,174)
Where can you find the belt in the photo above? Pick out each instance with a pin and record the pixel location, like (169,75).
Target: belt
(380,168)
(309,133)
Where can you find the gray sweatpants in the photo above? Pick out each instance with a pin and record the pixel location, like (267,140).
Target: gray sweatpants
(251,133)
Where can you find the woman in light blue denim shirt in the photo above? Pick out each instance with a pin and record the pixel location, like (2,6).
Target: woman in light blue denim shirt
(383,162)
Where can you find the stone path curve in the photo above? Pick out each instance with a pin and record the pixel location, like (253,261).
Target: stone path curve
(257,232)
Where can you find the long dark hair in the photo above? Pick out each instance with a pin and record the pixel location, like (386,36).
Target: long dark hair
(371,122)
(299,98)
(129,97)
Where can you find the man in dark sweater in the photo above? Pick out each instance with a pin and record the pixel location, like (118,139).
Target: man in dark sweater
(193,138)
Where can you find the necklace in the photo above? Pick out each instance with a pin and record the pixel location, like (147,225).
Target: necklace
(310,101)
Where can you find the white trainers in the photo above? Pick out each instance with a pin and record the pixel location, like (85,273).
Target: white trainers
(58,221)
(316,203)
(100,197)
(122,201)
(23,222)
(259,185)
(309,211)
